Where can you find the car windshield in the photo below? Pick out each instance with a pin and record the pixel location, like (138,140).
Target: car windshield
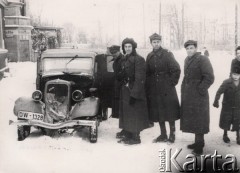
(69,65)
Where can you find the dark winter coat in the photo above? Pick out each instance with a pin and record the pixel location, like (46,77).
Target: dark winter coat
(198,77)
(117,86)
(163,73)
(133,118)
(230,114)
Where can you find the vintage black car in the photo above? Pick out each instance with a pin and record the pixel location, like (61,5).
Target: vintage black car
(72,87)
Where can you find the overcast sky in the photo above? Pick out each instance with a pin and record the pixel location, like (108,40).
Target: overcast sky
(89,14)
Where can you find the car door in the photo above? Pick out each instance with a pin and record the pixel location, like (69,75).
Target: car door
(104,78)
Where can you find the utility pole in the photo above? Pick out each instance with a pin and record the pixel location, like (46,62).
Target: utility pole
(236,25)
(160,17)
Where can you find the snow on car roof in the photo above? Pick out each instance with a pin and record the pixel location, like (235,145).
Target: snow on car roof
(71,53)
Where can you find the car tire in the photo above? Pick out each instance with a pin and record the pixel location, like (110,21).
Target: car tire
(93,133)
(23,132)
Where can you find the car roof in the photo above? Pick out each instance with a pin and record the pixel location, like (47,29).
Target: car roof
(71,52)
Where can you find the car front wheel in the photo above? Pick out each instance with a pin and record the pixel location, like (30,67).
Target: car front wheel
(23,132)
(93,133)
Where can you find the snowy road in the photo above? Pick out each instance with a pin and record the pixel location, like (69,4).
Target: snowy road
(74,154)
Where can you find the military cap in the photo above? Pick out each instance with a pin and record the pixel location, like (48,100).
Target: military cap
(190,42)
(155,36)
(114,48)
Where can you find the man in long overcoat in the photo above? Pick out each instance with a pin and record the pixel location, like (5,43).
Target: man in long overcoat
(117,59)
(162,75)
(198,77)
(133,115)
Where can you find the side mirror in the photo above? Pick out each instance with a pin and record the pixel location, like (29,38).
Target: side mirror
(37,95)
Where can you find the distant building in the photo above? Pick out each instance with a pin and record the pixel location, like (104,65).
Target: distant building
(17,31)
(3,51)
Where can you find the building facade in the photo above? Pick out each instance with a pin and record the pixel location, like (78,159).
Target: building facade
(17,32)
(3,51)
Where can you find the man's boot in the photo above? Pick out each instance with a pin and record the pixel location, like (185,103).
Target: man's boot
(191,146)
(163,137)
(122,134)
(198,150)
(225,137)
(135,139)
(125,137)
(199,144)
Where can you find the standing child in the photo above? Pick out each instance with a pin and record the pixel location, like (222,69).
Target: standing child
(230,114)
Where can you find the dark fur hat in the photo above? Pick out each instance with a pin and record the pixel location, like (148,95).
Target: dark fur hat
(130,41)
(114,48)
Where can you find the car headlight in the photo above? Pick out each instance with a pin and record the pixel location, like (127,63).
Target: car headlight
(77,95)
(37,95)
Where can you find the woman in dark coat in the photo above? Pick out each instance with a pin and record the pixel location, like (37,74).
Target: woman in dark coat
(230,114)
(162,75)
(133,115)
(198,77)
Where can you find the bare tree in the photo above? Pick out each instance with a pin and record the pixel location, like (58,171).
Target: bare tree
(81,36)
(175,22)
(68,32)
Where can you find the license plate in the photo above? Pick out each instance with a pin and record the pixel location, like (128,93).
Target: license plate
(30,115)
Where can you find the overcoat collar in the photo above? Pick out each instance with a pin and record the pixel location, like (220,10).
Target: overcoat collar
(231,84)
(156,52)
(190,60)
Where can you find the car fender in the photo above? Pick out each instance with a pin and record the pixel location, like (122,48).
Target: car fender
(29,105)
(88,107)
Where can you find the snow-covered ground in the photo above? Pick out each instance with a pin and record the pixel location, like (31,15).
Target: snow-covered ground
(74,154)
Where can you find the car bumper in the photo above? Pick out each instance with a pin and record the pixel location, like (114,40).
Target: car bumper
(69,124)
